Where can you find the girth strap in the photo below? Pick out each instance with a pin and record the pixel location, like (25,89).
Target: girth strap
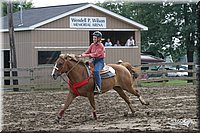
(79,84)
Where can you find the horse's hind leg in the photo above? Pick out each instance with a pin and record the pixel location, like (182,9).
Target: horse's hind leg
(68,101)
(135,92)
(123,95)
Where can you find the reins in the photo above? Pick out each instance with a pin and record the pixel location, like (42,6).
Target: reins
(70,70)
(73,67)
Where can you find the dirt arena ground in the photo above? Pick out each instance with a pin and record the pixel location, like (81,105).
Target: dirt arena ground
(170,109)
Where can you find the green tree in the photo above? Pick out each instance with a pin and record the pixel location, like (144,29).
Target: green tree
(171,26)
(198,32)
(16,6)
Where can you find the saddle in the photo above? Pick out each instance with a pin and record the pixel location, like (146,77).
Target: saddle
(106,72)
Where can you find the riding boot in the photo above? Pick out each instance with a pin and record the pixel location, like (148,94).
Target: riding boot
(97,89)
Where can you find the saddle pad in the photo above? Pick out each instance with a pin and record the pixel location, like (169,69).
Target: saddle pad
(109,72)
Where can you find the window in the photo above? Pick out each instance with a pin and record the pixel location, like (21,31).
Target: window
(122,36)
(47,57)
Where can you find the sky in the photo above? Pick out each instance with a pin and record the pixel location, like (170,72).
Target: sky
(43,3)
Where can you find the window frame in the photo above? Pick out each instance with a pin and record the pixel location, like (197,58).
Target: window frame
(51,61)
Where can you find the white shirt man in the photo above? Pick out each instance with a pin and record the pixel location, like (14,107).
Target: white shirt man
(130,42)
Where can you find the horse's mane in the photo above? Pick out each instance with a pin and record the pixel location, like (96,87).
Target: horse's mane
(73,57)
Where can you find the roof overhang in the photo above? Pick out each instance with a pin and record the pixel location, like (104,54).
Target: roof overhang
(17,29)
(140,26)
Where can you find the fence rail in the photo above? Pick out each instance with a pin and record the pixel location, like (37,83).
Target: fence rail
(163,71)
(40,78)
(32,78)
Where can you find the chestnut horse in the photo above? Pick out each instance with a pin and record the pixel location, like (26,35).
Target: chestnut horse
(76,72)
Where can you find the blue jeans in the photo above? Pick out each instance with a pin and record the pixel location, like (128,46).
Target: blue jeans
(98,65)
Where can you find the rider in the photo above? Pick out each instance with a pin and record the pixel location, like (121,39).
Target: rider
(96,51)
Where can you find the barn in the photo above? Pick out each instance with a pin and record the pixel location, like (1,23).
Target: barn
(41,34)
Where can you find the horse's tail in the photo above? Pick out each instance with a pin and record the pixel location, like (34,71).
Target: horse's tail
(136,71)
(133,70)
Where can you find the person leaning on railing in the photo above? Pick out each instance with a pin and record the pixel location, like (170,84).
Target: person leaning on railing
(130,42)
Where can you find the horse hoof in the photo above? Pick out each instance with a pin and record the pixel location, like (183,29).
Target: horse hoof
(95,115)
(57,119)
(147,103)
(148,113)
(127,114)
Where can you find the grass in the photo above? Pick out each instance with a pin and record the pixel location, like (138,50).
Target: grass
(169,83)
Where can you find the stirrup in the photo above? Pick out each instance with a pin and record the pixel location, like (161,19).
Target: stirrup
(97,90)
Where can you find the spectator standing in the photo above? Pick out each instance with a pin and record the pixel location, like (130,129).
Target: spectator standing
(130,42)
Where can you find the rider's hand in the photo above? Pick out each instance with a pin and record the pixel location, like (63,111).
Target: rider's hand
(79,56)
(82,55)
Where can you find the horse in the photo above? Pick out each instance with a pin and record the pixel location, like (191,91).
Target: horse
(77,72)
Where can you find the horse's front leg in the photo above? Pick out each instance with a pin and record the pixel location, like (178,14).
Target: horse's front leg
(68,101)
(92,103)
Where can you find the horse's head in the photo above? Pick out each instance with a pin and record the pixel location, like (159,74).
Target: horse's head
(61,65)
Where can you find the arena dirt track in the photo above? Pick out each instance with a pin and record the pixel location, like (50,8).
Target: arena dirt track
(170,109)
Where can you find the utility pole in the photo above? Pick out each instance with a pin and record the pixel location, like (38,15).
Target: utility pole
(13,60)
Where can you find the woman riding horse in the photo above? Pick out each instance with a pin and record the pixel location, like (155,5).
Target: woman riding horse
(97,52)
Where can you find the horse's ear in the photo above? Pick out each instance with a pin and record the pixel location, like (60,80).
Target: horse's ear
(64,56)
(72,57)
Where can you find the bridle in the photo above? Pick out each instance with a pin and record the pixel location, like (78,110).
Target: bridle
(56,68)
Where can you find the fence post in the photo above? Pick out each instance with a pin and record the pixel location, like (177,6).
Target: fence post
(138,80)
(194,74)
(31,78)
(163,75)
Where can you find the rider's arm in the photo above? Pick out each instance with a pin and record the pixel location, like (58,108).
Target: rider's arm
(87,52)
(99,52)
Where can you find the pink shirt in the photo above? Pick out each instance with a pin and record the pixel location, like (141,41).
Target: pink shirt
(96,50)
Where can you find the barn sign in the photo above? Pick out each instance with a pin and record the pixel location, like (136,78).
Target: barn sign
(87,22)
